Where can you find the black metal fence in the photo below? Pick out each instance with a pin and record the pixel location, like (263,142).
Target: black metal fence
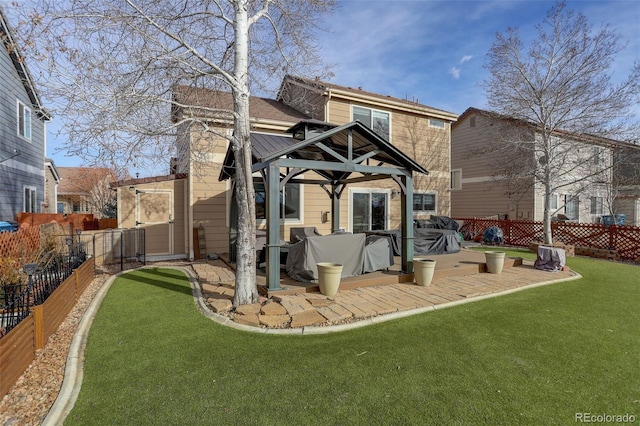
(37,282)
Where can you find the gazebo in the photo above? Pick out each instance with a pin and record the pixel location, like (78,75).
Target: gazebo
(335,154)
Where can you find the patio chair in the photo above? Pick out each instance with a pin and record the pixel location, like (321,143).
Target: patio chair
(299,234)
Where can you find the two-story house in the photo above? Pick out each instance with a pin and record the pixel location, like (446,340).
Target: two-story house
(194,196)
(22,132)
(492,163)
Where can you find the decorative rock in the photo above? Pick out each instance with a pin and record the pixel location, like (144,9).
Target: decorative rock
(253,308)
(273,308)
(209,288)
(274,320)
(305,318)
(219,305)
(249,319)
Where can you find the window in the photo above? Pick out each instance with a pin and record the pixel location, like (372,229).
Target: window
(456,179)
(434,122)
(597,206)
(424,202)
(75,207)
(29,199)
(290,202)
(24,121)
(554,201)
(598,154)
(376,120)
(572,206)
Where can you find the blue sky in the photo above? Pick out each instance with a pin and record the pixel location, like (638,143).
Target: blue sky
(434,51)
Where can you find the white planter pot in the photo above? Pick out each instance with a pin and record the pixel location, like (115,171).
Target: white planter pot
(423,270)
(495,261)
(329,275)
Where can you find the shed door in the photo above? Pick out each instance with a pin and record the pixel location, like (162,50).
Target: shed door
(154,213)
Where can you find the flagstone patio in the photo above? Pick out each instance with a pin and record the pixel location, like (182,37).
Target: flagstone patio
(459,278)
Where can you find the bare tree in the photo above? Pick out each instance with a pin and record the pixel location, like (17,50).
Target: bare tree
(562,86)
(113,63)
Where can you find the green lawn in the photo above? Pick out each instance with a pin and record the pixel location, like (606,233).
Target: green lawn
(535,357)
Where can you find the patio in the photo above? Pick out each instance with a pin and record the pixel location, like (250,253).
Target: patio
(377,296)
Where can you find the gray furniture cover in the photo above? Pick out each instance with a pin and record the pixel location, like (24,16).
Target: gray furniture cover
(550,259)
(378,253)
(300,233)
(425,240)
(346,249)
(435,241)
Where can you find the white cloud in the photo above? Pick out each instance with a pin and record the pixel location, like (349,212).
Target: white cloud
(466,58)
(455,72)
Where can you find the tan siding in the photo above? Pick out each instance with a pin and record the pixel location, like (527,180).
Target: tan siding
(339,111)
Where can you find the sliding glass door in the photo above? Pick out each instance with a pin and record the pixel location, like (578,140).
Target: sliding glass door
(369,210)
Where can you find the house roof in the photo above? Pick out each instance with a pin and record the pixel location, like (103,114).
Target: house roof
(366,146)
(209,100)
(151,179)
(590,139)
(325,88)
(21,67)
(81,180)
(48,162)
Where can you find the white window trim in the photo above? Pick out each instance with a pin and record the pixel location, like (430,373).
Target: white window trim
(444,123)
(453,187)
(426,193)
(24,200)
(22,132)
(368,191)
(289,221)
(377,110)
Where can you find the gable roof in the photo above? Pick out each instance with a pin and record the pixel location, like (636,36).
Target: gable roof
(330,89)
(259,108)
(589,139)
(81,180)
(365,145)
(21,67)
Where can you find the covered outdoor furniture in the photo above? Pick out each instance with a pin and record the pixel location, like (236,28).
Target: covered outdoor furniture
(427,238)
(378,253)
(300,233)
(346,249)
(550,259)
(435,241)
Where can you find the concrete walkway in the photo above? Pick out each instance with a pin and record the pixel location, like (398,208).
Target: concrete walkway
(313,312)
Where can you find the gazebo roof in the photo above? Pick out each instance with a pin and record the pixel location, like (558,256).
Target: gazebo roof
(351,144)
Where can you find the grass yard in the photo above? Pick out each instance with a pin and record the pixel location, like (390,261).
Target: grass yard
(535,357)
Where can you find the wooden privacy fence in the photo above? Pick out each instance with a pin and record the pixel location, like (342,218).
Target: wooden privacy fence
(624,240)
(19,346)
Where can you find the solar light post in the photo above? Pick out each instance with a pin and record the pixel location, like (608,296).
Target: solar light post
(69,241)
(30,269)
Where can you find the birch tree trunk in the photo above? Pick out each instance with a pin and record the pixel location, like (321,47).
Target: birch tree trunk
(246,291)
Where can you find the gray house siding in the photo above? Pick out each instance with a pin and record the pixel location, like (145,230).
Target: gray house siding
(26,169)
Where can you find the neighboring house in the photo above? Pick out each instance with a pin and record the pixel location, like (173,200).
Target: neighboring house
(627,183)
(51,181)
(85,190)
(22,133)
(481,171)
(195,197)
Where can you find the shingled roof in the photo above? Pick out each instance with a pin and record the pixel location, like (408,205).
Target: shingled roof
(219,103)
